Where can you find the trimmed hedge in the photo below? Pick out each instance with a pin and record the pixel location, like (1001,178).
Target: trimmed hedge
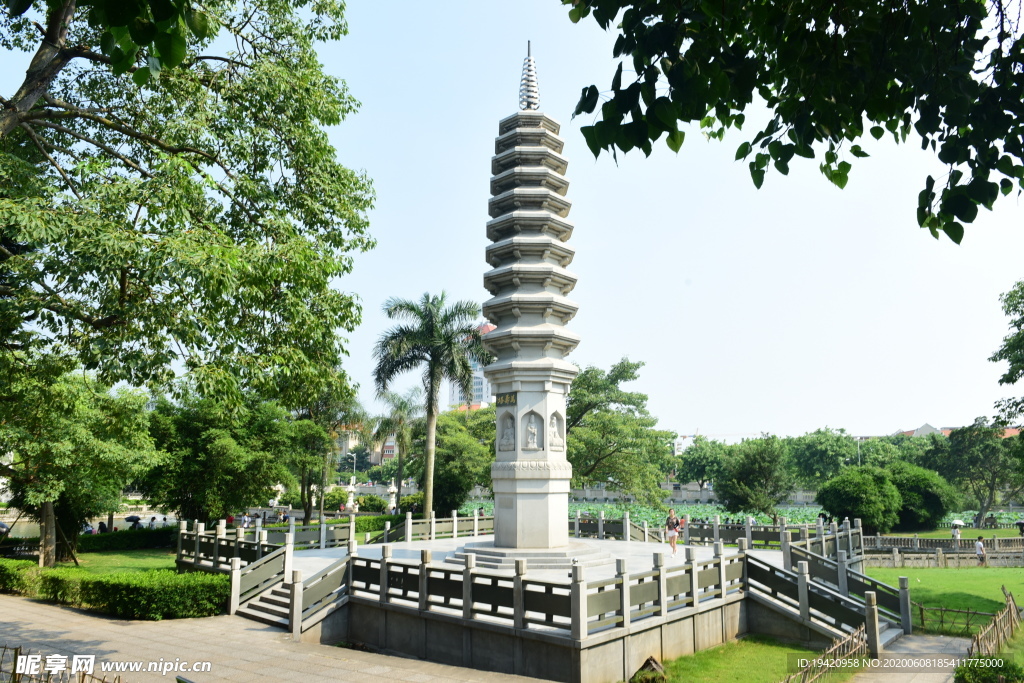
(1009,672)
(128,540)
(19,576)
(156,594)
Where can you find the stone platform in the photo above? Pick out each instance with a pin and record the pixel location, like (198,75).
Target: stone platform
(574,553)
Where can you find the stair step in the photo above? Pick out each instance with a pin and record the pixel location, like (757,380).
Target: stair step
(280,601)
(274,610)
(262,617)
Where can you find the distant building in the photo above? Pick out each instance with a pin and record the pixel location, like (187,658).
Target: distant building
(481,397)
(926,429)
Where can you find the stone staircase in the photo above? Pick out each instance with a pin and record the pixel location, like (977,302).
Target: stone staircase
(269,607)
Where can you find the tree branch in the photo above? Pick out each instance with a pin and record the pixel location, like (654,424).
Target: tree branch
(53,162)
(106,148)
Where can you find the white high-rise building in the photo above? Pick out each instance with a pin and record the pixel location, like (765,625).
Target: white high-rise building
(481,387)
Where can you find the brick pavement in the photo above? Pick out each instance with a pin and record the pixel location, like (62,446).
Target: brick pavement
(239,649)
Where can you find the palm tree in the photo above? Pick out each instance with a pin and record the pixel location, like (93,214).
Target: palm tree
(403,410)
(442,340)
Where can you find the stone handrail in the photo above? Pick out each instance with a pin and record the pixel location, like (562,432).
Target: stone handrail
(949,545)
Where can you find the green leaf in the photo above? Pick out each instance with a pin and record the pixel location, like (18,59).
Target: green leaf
(617,79)
(590,135)
(858,152)
(675,140)
(574,15)
(961,206)
(954,231)
(107,43)
(1005,186)
(142,31)
(141,76)
(171,47)
(757,175)
(163,10)
(16,8)
(665,112)
(200,24)
(588,101)
(743,151)
(877,132)
(121,12)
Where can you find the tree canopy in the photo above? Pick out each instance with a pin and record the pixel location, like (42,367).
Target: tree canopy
(169,196)
(821,454)
(757,476)
(866,493)
(703,461)
(613,439)
(830,74)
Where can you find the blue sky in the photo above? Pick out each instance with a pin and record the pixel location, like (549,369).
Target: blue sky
(782,310)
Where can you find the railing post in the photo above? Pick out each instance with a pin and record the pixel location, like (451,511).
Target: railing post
(182,528)
(408,527)
(784,541)
(940,558)
(627,530)
(742,548)
(600,525)
(906,616)
(323,534)
(291,526)
(259,527)
(200,530)
(289,548)
(295,617)
(801,588)
(686,530)
(622,573)
(433,525)
(455,523)
(236,584)
(691,560)
(844,583)
(995,544)
(578,602)
(871,624)
(426,557)
(647,533)
(720,557)
(750,532)
(519,596)
(239,537)
(385,559)
(351,526)
(476,522)
(659,566)
(917,542)
(576,525)
(467,586)
(895,557)
(715,524)
(261,540)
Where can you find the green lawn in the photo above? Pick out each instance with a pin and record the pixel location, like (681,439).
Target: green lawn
(753,659)
(967,533)
(126,560)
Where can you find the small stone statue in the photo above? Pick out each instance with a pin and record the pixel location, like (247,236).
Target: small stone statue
(531,434)
(556,442)
(508,436)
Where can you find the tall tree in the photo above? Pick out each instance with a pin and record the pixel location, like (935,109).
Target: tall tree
(403,410)
(703,461)
(70,445)
(758,476)
(1012,351)
(981,462)
(865,493)
(830,74)
(309,450)
(170,198)
(612,437)
(463,459)
(220,459)
(442,340)
(819,455)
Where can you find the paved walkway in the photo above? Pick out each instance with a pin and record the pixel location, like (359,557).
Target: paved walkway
(919,648)
(239,649)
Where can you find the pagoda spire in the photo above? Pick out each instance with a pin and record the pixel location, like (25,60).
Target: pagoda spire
(529,93)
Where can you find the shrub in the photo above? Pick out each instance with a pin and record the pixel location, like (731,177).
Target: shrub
(927,497)
(19,576)
(63,585)
(864,492)
(128,540)
(1008,672)
(416,499)
(364,524)
(158,594)
(372,503)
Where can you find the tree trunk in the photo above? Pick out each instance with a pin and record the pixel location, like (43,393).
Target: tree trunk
(428,495)
(48,537)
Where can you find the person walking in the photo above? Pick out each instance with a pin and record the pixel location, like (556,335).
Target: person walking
(956,537)
(979,550)
(672,527)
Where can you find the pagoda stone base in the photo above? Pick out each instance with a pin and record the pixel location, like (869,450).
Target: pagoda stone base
(575,553)
(531,504)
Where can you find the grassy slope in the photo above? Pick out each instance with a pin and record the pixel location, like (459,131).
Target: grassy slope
(127,560)
(754,659)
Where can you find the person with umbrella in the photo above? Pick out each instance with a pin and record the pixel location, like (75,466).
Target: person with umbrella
(957,523)
(134,519)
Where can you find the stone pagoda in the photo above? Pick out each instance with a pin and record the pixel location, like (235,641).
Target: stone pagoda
(529,283)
